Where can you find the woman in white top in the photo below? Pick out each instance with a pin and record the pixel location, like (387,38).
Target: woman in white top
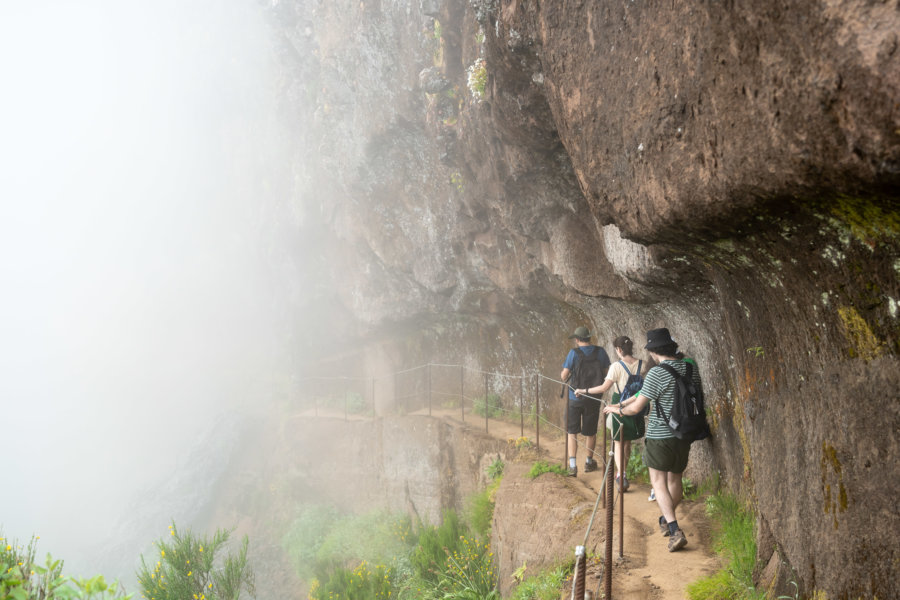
(617,378)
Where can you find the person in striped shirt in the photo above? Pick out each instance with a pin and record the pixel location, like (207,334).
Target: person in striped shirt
(665,455)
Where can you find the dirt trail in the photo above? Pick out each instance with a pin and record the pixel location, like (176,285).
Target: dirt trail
(647,569)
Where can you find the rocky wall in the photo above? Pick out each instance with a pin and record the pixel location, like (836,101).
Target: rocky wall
(484,175)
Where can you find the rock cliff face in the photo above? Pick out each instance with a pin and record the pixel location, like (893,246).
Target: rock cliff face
(479,177)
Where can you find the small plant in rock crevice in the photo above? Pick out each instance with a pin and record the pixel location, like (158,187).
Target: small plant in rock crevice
(495,469)
(476,78)
(542,466)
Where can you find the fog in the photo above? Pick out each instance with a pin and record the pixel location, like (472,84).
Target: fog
(141,173)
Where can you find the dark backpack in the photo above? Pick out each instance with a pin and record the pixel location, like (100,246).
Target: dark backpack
(688,418)
(590,369)
(633,386)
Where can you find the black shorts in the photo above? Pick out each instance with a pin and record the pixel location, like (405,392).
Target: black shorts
(669,455)
(583,417)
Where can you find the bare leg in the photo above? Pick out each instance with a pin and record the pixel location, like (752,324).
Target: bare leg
(572,445)
(673,481)
(622,452)
(591,443)
(660,481)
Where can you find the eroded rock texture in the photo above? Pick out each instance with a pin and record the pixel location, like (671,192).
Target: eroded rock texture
(479,177)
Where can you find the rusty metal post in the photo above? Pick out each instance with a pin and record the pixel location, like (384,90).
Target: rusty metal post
(428,375)
(462,394)
(537,410)
(580,573)
(622,490)
(604,447)
(486,403)
(608,542)
(522,405)
(565,429)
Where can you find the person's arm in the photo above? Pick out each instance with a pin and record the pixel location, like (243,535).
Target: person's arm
(630,407)
(596,390)
(564,376)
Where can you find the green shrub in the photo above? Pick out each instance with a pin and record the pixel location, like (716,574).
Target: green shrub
(542,466)
(493,406)
(362,583)
(481,509)
(21,578)
(376,537)
(735,541)
(543,586)
(188,567)
(306,534)
(434,544)
(495,469)
(468,573)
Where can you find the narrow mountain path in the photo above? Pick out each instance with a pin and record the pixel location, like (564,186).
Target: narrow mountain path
(646,569)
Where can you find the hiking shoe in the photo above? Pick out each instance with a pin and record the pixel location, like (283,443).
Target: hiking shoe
(652,497)
(590,465)
(677,541)
(623,485)
(663,526)
(573,472)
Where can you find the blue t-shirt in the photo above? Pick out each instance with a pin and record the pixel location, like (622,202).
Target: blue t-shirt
(570,363)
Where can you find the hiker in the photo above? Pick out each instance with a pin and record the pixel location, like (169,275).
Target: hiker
(617,378)
(665,455)
(680,356)
(585,365)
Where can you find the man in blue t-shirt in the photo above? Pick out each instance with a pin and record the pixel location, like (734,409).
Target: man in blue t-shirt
(587,365)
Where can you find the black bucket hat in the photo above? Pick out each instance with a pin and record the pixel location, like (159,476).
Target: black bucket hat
(657,338)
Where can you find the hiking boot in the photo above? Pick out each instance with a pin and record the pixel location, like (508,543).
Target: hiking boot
(623,485)
(573,472)
(663,526)
(652,497)
(590,465)
(677,541)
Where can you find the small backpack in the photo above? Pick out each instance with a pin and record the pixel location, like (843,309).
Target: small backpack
(633,386)
(688,417)
(590,369)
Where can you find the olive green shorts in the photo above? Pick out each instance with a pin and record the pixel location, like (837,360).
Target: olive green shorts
(669,454)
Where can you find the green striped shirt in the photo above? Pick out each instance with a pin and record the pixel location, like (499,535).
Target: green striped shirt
(659,387)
